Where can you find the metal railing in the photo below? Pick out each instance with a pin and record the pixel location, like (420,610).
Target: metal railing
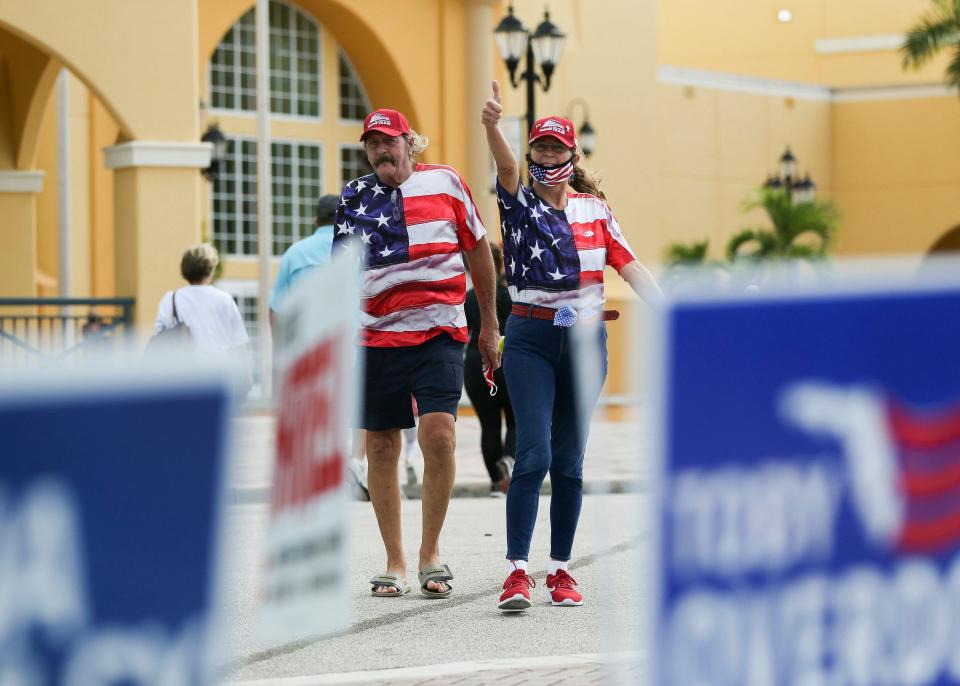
(37,332)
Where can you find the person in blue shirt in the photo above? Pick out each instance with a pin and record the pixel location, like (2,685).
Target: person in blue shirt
(306,254)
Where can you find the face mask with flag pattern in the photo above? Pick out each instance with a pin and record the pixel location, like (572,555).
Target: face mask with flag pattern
(552,175)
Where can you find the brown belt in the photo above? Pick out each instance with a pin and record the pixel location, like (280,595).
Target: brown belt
(548,313)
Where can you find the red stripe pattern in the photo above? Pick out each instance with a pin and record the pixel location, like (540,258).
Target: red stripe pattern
(557,257)
(413,285)
(928,445)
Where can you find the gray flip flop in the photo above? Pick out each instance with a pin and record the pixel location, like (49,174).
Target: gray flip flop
(440,573)
(390,581)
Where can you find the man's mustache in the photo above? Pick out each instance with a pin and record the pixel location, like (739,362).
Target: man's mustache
(384,158)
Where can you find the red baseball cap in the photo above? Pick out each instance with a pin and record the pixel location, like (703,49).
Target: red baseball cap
(390,122)
(558,127)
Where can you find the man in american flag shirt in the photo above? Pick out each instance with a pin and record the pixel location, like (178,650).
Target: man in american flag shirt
(414,222)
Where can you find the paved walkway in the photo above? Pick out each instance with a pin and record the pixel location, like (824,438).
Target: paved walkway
(570,670)
(617,458)
(463,639)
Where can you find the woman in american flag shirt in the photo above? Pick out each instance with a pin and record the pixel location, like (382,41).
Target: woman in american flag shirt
(558,236)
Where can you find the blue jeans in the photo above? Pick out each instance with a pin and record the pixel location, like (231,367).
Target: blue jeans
(551,432)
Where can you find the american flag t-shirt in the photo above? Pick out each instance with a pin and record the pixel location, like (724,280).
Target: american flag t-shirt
(413,282)
(556,257)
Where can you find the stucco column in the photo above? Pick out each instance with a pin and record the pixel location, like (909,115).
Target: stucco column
(157,216)
(480,53)
(18,217)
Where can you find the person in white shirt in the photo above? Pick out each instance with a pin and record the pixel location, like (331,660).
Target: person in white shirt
(215,323)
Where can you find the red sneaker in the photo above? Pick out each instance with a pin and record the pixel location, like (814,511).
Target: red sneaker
(562,589)
(516,593)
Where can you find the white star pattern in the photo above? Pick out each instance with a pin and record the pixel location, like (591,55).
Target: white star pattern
(343,201)
(546,210)
(555,275)
(365,237)
(512,265)
(362,209)
(516,236)
(360,185)
(386,252)
(345,228)
(382,220)
(525,269)
(377,189)
(536,250)
(555,241)
(536,215)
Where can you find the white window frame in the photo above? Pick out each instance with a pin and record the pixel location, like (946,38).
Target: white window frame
(340,148)
(294,185)
(251,114)
(297,202)
(356,77)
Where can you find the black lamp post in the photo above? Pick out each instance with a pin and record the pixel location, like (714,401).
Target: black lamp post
(586,135)
(543,48)
(214,135)
(797,189)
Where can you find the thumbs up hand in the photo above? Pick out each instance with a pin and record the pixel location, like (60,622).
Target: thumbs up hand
(492,111)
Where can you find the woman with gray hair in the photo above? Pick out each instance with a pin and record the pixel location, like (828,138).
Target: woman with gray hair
(212,317)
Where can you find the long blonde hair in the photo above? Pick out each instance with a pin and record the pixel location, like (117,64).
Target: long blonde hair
(417,143)
(583,181)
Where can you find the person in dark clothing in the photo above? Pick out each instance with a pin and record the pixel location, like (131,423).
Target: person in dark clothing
(497,451)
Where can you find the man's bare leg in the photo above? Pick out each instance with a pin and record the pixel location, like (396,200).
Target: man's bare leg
(383,456)
(438,441)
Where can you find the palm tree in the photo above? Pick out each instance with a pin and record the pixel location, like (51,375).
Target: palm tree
(793,224)
(686,254)
(939,28)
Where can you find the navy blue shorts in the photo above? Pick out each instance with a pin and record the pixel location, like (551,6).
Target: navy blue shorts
(431,372)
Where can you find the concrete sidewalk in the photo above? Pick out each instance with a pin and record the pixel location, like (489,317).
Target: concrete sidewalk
(617,459)
(464,639)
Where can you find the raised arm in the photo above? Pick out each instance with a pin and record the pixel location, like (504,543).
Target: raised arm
(508,172)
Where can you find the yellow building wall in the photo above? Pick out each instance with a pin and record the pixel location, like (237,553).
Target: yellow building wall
(18,253)
(138,35)
(48,213)
(896,173)
(78,130)
(103,133)
(715,149)
(745,37)
(90,129)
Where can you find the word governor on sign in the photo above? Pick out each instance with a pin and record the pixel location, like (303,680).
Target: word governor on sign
(732,522)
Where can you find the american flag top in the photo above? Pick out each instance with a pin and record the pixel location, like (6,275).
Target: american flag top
(556,257)
(413,283)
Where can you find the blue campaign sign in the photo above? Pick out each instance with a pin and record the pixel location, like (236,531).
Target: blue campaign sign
(109,504)
(809,502)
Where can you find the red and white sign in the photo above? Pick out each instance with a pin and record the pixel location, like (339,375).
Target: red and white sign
(304,591)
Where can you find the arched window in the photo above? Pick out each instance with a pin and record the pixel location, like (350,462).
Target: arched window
(295,65)
(354,104)
(308,67)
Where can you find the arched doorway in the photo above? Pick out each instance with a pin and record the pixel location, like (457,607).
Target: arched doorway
(114,49)
(949,242)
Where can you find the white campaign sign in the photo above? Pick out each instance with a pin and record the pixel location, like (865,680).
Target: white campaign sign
(304,590)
